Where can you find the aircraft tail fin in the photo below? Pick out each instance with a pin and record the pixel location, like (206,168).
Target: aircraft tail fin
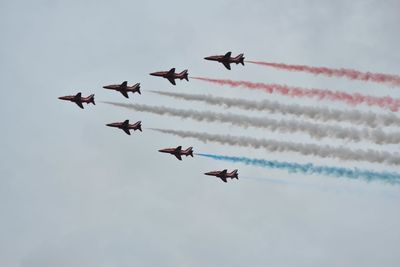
(140,126)
(184,75)
(91,99)
(240,59)
(235,174)
(189,151)
(137,88)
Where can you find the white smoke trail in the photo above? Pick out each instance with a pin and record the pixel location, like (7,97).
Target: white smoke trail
(316,131)
(317,113)
(304,149)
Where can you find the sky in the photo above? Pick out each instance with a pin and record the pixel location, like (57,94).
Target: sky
(74,192)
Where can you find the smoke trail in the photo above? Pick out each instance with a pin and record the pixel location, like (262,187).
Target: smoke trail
(316,131)
(386,102)
(304,149)
(331,72)
(389,177)
(317,113)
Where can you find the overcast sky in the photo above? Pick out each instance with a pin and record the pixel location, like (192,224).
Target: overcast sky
(74,192)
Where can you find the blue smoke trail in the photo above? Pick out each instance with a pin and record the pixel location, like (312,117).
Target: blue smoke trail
(309,168)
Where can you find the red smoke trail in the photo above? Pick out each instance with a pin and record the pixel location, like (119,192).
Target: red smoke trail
(348,73)
(386,102)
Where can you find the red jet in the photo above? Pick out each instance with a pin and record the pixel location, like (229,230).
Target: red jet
(123,88)
(171,75)
(226,59)
(224,174)
(78,99)
(126,126)
(178,152)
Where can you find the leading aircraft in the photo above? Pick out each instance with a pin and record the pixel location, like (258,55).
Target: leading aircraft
(78,99)
(223,175)
(171,75)
(126,126)
(123,88)
(178,152)
(227,60)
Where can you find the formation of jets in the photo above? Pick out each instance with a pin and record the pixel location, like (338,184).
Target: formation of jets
(171,76)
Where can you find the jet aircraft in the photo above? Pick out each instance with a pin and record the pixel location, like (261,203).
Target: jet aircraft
(125,126)
(178,152)
(171,75)
(227,60)
(78,99)
(123,88)
(223,175)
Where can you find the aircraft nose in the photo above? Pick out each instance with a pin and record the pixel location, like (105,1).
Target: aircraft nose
(207,58)
(153,74)
(109,124)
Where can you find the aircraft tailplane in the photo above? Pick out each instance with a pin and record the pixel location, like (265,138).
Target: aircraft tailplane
(138,88)
(189,151)
(240,59)
(235,174)
(184,75)
(91,99)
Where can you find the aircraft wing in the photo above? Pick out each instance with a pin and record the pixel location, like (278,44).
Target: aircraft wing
(79,103)
(228,55)
(178,156)
(172,80)
(171,71)
(227,65)
(124,93)
(126,131)
(124,84)
(223,179)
